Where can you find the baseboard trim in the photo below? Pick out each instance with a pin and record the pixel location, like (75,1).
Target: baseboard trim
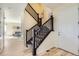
(57,48)
(43,52)
(68,52)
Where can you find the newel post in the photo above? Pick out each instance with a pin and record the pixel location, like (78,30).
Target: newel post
(26,38)
(34,48)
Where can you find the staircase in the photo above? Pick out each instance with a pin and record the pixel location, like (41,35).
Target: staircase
(37,34)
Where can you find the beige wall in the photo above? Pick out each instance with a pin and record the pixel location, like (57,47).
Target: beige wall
(42,10)
(38,7)
(27,23)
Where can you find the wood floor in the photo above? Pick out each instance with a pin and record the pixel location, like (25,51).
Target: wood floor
(16,48)
(57,52)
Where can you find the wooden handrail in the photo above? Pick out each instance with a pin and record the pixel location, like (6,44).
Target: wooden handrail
(32,27)
(46,21)
(32,8)
(34,12)
(51,18)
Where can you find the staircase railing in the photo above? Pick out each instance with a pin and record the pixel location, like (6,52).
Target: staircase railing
(37,34)
(32,12)
(37,40)
(29,34)
(47,24)
(35,15)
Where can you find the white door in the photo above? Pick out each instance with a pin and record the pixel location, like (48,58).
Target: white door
(67,30)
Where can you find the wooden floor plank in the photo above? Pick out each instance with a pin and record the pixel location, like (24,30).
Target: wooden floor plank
(57,52)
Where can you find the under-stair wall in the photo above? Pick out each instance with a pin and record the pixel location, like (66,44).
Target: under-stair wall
(27,23)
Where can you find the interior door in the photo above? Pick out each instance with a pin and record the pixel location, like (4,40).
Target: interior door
(1,31)
(67,30)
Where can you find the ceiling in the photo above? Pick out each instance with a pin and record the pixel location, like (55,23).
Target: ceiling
(57,5)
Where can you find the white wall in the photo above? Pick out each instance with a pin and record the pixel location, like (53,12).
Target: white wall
(48,43)
(67,16)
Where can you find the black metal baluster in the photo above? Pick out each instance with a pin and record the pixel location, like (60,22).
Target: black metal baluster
(26,38)
(52,22)
(34,48)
